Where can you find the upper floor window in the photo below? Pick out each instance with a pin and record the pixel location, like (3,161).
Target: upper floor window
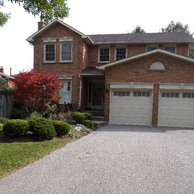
(49,55)
(120,53)
(104,55)
(66,52)
(170,48)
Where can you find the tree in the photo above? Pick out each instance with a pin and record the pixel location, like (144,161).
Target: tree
(46,9)
(3,16)
(29,89)
(138,29)
(177,27)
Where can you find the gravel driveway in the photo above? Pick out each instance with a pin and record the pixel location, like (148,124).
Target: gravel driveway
(114,159)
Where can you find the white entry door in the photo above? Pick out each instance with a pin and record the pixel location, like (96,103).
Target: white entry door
(131,107)
(176,109)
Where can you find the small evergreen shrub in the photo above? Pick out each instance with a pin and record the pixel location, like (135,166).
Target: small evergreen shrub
(3,120)
(88,116)
(88,124)
(78,117)
(42,128)
(18,114)
(61,128)
(15,127)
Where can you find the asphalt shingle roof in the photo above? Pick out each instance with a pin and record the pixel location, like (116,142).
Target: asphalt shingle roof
(176,37)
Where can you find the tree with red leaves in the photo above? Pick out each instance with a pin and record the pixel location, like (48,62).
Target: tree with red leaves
(29,89)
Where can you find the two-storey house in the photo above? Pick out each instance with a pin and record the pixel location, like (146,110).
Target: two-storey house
(137,79)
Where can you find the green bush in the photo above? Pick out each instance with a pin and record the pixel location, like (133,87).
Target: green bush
(88,124)
(18,114)
(61,128)
(88,116)
(42,128)
(15,127)
(78,117)
(3,120)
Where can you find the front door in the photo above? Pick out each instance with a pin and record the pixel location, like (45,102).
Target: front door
(96,95)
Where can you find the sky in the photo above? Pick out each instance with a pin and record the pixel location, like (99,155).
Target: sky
(89,17)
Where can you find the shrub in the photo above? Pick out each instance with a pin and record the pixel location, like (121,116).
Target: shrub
(3,120)
(61,128)
(88,116)
(18,114)
(15,127)
(43,128)
(78,117)
(88,124)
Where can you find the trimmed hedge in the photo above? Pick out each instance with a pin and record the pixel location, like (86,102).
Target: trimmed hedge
(42,127)
(88,116)
(88,124)
(18,114)
(78,117)
(3,120)
(61,128)
(15,127)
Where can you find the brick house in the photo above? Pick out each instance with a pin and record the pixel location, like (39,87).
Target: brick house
(137,79)
(8,78)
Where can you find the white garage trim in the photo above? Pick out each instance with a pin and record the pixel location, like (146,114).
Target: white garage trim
(131,85)
(179,86)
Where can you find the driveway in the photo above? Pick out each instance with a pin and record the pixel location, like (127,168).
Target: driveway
(114,159)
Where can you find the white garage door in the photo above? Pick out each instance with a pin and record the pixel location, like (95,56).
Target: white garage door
(131,107)
(176,109)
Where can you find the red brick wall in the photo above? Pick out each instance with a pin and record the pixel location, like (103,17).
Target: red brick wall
(80,56)
(177,71)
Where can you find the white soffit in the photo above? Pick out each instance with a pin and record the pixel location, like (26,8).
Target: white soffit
(131,85)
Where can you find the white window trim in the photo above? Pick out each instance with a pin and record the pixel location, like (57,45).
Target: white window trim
(170,45)
(116,51)
(66,61)
(47,43)
(99,54)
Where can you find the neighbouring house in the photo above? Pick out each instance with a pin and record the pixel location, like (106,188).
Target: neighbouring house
(8,78)
(137,79)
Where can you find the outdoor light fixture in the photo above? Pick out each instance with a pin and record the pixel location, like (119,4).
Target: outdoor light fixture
(43,100)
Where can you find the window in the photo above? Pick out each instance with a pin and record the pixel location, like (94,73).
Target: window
(120,53)
(49,52)
(170,95)
(188,95)
(170,49)
(151,48)
(66,52)
(104,55)
(65,93)
(121,93)
(143,94)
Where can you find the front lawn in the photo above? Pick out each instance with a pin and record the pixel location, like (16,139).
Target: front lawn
(16,155)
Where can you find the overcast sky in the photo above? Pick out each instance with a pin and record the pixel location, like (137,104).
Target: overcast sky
(89,17)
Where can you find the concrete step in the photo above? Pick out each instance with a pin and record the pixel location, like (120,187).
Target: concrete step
(95,112)
(98,118)
(98,124)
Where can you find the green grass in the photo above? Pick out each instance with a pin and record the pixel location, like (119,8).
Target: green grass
(16,155)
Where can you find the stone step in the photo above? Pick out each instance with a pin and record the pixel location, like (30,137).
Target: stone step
(98,118)
(98,124)
(95,112)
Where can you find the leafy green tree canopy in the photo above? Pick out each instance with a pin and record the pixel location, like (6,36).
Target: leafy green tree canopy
(138,29)
(45,9)
(177,27)
(3,16)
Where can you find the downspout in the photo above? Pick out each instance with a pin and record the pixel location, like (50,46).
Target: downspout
(80,93)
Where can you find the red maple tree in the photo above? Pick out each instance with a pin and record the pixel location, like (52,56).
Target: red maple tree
(29,91)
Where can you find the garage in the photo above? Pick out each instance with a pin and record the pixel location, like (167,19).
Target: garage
(176,106)
(131,104)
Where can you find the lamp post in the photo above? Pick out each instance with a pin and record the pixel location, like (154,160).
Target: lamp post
(43,100)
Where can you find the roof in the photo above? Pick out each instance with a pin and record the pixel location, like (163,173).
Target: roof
(91,71)
(176,37)
(181,57)
(33,36)
(6,76)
